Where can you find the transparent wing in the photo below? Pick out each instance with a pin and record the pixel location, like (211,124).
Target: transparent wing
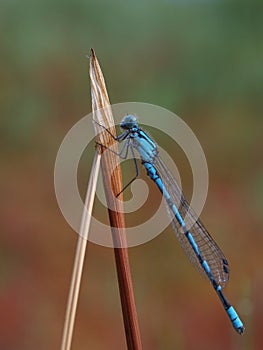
(209,249)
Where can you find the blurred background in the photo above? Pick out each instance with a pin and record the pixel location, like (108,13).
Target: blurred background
(203,60)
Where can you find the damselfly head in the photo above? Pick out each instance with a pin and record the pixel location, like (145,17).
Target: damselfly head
(129,122)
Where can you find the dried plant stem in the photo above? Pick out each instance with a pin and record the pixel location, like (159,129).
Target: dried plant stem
(111,174)
(79,256)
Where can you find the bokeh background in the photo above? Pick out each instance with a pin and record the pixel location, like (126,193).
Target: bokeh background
(202,60)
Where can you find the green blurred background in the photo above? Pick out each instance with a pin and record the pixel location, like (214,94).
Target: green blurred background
(202,60)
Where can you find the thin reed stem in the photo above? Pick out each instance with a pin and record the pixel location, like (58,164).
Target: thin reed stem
(111,174)
(79,256)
